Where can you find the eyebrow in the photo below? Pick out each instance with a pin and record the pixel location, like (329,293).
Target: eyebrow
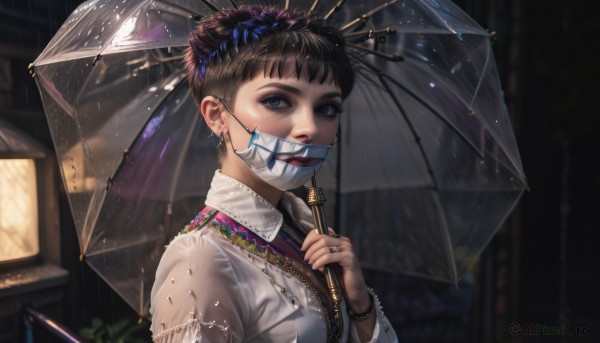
(296,91)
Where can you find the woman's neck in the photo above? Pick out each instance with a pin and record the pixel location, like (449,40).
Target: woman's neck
(241,172)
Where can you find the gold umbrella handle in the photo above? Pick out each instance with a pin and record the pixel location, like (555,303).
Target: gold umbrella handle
(316,199)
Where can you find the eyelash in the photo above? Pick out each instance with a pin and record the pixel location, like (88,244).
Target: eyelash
(264,100)
(336,110)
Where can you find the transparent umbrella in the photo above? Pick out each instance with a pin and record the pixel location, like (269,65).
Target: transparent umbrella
(426,170)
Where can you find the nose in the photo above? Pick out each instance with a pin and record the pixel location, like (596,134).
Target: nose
(305,128)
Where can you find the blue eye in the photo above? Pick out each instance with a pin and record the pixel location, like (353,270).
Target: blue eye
(328,110)
(274,101)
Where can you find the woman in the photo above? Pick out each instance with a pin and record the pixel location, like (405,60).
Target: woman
(270,84)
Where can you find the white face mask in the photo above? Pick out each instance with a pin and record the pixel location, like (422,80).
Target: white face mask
(266,155)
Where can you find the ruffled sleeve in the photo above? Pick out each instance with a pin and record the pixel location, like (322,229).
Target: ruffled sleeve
(196,295)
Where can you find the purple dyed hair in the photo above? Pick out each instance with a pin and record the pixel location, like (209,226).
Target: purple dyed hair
(233,46)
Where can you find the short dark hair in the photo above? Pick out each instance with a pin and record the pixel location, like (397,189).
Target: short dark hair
(233,46)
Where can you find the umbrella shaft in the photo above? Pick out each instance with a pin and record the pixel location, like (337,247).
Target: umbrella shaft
(316,199)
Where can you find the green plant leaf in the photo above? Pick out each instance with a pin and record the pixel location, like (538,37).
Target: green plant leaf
(87,333)
(97,323)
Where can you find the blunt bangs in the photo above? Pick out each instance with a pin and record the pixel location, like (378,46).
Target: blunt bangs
(308,48)
(312,57)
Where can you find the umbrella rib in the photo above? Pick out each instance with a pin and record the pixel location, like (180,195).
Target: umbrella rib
(210,5)
(313,7)
(515,173)
(365,17)
(126,150)
(181,158)
(364,35)
(118,290)
(446,236)
(414,96)
(478,87)
(85,243)
(437,114)
(338,5)
(389,57)
(491,132)
(55,95)
(119,165)
(412,130)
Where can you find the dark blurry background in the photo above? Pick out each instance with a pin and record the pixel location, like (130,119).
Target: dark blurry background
(539,270)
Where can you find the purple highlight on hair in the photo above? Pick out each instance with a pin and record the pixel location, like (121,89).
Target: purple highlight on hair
(262,21)
(229,48)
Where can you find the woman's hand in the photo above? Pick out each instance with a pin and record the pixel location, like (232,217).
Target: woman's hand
(321,250)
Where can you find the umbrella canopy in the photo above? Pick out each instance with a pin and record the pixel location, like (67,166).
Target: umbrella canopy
(427,167)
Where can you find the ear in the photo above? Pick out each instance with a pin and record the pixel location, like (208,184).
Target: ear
(212,111)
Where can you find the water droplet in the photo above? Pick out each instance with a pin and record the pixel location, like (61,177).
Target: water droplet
(217,303)
(456,68)
(190,270)
(172,280)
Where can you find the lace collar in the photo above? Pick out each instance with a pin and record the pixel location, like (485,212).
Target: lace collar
(248,208)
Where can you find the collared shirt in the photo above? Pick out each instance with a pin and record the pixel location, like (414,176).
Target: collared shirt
(208,289)
(245,206)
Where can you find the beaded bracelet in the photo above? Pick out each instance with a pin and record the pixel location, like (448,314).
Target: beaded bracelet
(363,315)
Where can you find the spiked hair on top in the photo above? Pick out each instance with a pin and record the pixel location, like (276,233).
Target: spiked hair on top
(233,46)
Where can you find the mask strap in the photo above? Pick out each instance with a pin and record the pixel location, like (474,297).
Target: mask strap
(235,117)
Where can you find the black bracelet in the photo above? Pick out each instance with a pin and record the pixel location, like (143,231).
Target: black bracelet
(363,315)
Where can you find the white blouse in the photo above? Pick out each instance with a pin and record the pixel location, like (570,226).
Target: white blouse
(208,289)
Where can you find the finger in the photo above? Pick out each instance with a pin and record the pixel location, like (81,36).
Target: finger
(313,246)
(310,239)
(326,255)
(314,235)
